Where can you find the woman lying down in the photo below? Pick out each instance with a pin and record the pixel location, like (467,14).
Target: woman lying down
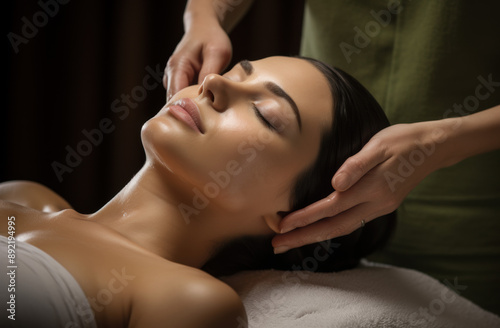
(225,161)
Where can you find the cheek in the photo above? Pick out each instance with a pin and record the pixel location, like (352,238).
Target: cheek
(237,140)
(267,166)
(246,168)
(231,155)
(169,145)
(238,152)
(240,164)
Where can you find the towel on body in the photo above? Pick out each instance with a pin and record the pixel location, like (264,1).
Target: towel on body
(42,293)
(371,295)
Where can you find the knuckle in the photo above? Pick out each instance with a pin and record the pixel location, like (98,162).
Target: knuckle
(379,147)
(358,164)
(330,211)
(377,143)
(216,50)
(171,63)
(212,48)
(225,54)
(181,64)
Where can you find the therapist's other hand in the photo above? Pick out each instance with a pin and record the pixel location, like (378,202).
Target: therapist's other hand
(204,49)
(369,184)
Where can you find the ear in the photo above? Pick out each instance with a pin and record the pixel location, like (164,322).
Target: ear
(273,220)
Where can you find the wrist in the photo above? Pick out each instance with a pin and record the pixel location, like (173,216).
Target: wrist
(474,134)
(449,140)
(210,13)
(436,142)
(200,14)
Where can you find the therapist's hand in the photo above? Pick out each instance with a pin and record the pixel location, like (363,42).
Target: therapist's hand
(205,48)
(369,184)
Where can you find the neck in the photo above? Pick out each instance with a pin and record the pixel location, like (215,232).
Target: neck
(147,212)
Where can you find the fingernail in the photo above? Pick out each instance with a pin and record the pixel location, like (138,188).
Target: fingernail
(342,181)
(281,249)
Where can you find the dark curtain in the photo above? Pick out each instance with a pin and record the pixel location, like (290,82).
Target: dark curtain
(81,81)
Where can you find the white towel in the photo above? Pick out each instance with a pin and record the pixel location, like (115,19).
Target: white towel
(44,293)
(372,295)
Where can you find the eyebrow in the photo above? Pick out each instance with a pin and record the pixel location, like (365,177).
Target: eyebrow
(275,89)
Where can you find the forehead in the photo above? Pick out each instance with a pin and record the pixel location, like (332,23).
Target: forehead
(305,84)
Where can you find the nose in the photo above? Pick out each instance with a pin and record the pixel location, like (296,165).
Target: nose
(217,91)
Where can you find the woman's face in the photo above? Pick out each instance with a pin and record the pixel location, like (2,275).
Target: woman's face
(253,131)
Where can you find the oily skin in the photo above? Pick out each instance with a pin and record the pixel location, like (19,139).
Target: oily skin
(142,230)
(268,162)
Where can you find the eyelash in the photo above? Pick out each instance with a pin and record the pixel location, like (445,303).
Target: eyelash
(262,118)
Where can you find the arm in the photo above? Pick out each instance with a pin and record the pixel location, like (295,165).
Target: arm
(473,135)
(227,12)
(32,195)
(205,47)
(368,185)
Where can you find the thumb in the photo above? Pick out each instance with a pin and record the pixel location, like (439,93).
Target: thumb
(356,166)
(177,82)
(214,61)
(178,77)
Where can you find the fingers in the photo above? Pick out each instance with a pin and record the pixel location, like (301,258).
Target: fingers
(343,198)
(176,82)
(356,166)
(214,61)
(329,206)
(204,50)
(178,75)
(312,213)
(325,229)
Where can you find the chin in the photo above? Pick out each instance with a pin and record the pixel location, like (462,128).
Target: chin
(163,144)
(175,152)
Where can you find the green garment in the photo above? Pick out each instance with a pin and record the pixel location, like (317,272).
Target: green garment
(423,61)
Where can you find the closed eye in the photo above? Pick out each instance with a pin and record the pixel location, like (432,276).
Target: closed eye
(262,118)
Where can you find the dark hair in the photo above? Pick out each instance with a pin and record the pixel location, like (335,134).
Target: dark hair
(356,118)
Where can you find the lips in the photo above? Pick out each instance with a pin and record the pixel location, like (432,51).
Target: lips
(186,110)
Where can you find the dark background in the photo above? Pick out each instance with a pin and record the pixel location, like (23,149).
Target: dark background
(68,75)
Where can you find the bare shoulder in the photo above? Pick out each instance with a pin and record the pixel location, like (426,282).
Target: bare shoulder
(33,195)
(213,304)
(188,298)
(13,216)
